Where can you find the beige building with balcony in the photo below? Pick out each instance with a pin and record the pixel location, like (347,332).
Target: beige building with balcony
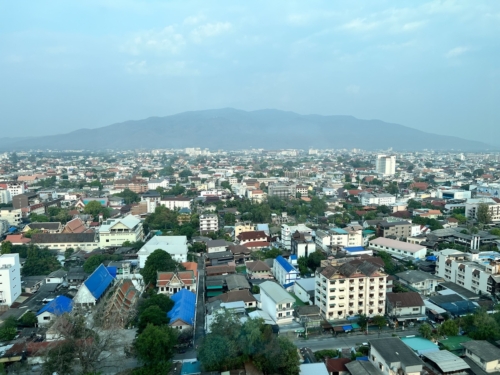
(209,223)
(345,289)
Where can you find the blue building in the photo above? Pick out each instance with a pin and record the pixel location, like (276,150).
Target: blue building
(57,307)
(285,273)
(182,314)
(94,287)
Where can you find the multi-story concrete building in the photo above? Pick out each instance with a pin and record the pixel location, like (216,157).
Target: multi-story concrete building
(347,289)
(114,232)
(424,282)
(398,248)
(288,230)
(209,223)
(385,165)
(346,237)
(379,199)
(395,229)
(277,302)
(163,183)
(478,272)
(14,187)
(12,215)
(10,278)
(471,208)
(302,244)
(176,246)
(392,356)
(173,203)
(137,186)
(283,191)
(5,196)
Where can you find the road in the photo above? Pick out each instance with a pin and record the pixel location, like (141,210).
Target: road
(347,341)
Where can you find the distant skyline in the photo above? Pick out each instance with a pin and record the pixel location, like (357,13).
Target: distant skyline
(430,65)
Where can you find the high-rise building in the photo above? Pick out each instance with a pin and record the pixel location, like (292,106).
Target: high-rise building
(385,165)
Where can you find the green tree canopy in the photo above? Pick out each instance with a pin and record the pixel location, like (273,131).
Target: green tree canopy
(155,348)
(128,196)
(158,260)
(449,328)
(425,330)
(483,214)
(152,315)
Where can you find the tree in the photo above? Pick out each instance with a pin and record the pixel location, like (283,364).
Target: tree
(6,247)
(379,321)
(495,231)
(314,259)
(362,320)
(483,214)
(155,348)
(95,261)
(8,329)
(36,218)
(225,185)
(449,328)
(39,262)
(31,232)
(158,260)
(156,299)
(128,196)
(425,331)
(229,219)
(93,208)
(428,164)
(185,173)
(152,315)
(478,172)
(83,342)
(29,319)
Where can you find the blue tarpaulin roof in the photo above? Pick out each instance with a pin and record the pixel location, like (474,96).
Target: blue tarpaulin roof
(12,229)
(288,285)
(189,368)
(283,263)
(362,358)
(431,258)
(112,271)
(184,306)
(58,306)
(347,328)
(99,281)
(354,248)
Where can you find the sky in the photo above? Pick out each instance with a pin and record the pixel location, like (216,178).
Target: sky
(430,65)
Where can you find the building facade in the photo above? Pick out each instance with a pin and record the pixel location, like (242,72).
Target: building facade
(347,289)
(10,279)
(209,223)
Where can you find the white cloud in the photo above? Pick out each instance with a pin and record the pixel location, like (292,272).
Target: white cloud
(194,20)
(166,40)
(210,30)
(410,26)
(361,24)
(169,68)
(352,89)
(457,51)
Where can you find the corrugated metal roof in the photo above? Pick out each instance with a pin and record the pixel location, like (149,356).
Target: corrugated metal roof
(446,361)
(99,281)
(283,263)
(184,306)
(58,306)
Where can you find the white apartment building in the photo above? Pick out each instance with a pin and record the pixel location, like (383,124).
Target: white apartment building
(10,278)
(382,199)
(385,165)
(114,232)
(346,237)
(209,223)
(470,271)
(5,196)
(288,230)
(176,246)
(12,215)
(163,183)
(173,203)
(398,248)
(16,188)
(471,207)
(277,302)
(347,289)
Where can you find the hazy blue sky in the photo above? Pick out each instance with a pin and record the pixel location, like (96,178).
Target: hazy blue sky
(430,65)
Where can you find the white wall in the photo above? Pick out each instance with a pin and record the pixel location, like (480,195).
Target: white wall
(10,278)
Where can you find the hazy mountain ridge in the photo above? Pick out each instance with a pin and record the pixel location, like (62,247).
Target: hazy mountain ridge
(236,129)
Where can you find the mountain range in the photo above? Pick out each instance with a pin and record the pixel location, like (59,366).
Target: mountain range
(233,129)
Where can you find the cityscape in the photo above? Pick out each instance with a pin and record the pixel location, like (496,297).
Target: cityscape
(337,257)
(249,188)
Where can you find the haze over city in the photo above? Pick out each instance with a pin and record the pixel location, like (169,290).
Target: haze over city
(429,65)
